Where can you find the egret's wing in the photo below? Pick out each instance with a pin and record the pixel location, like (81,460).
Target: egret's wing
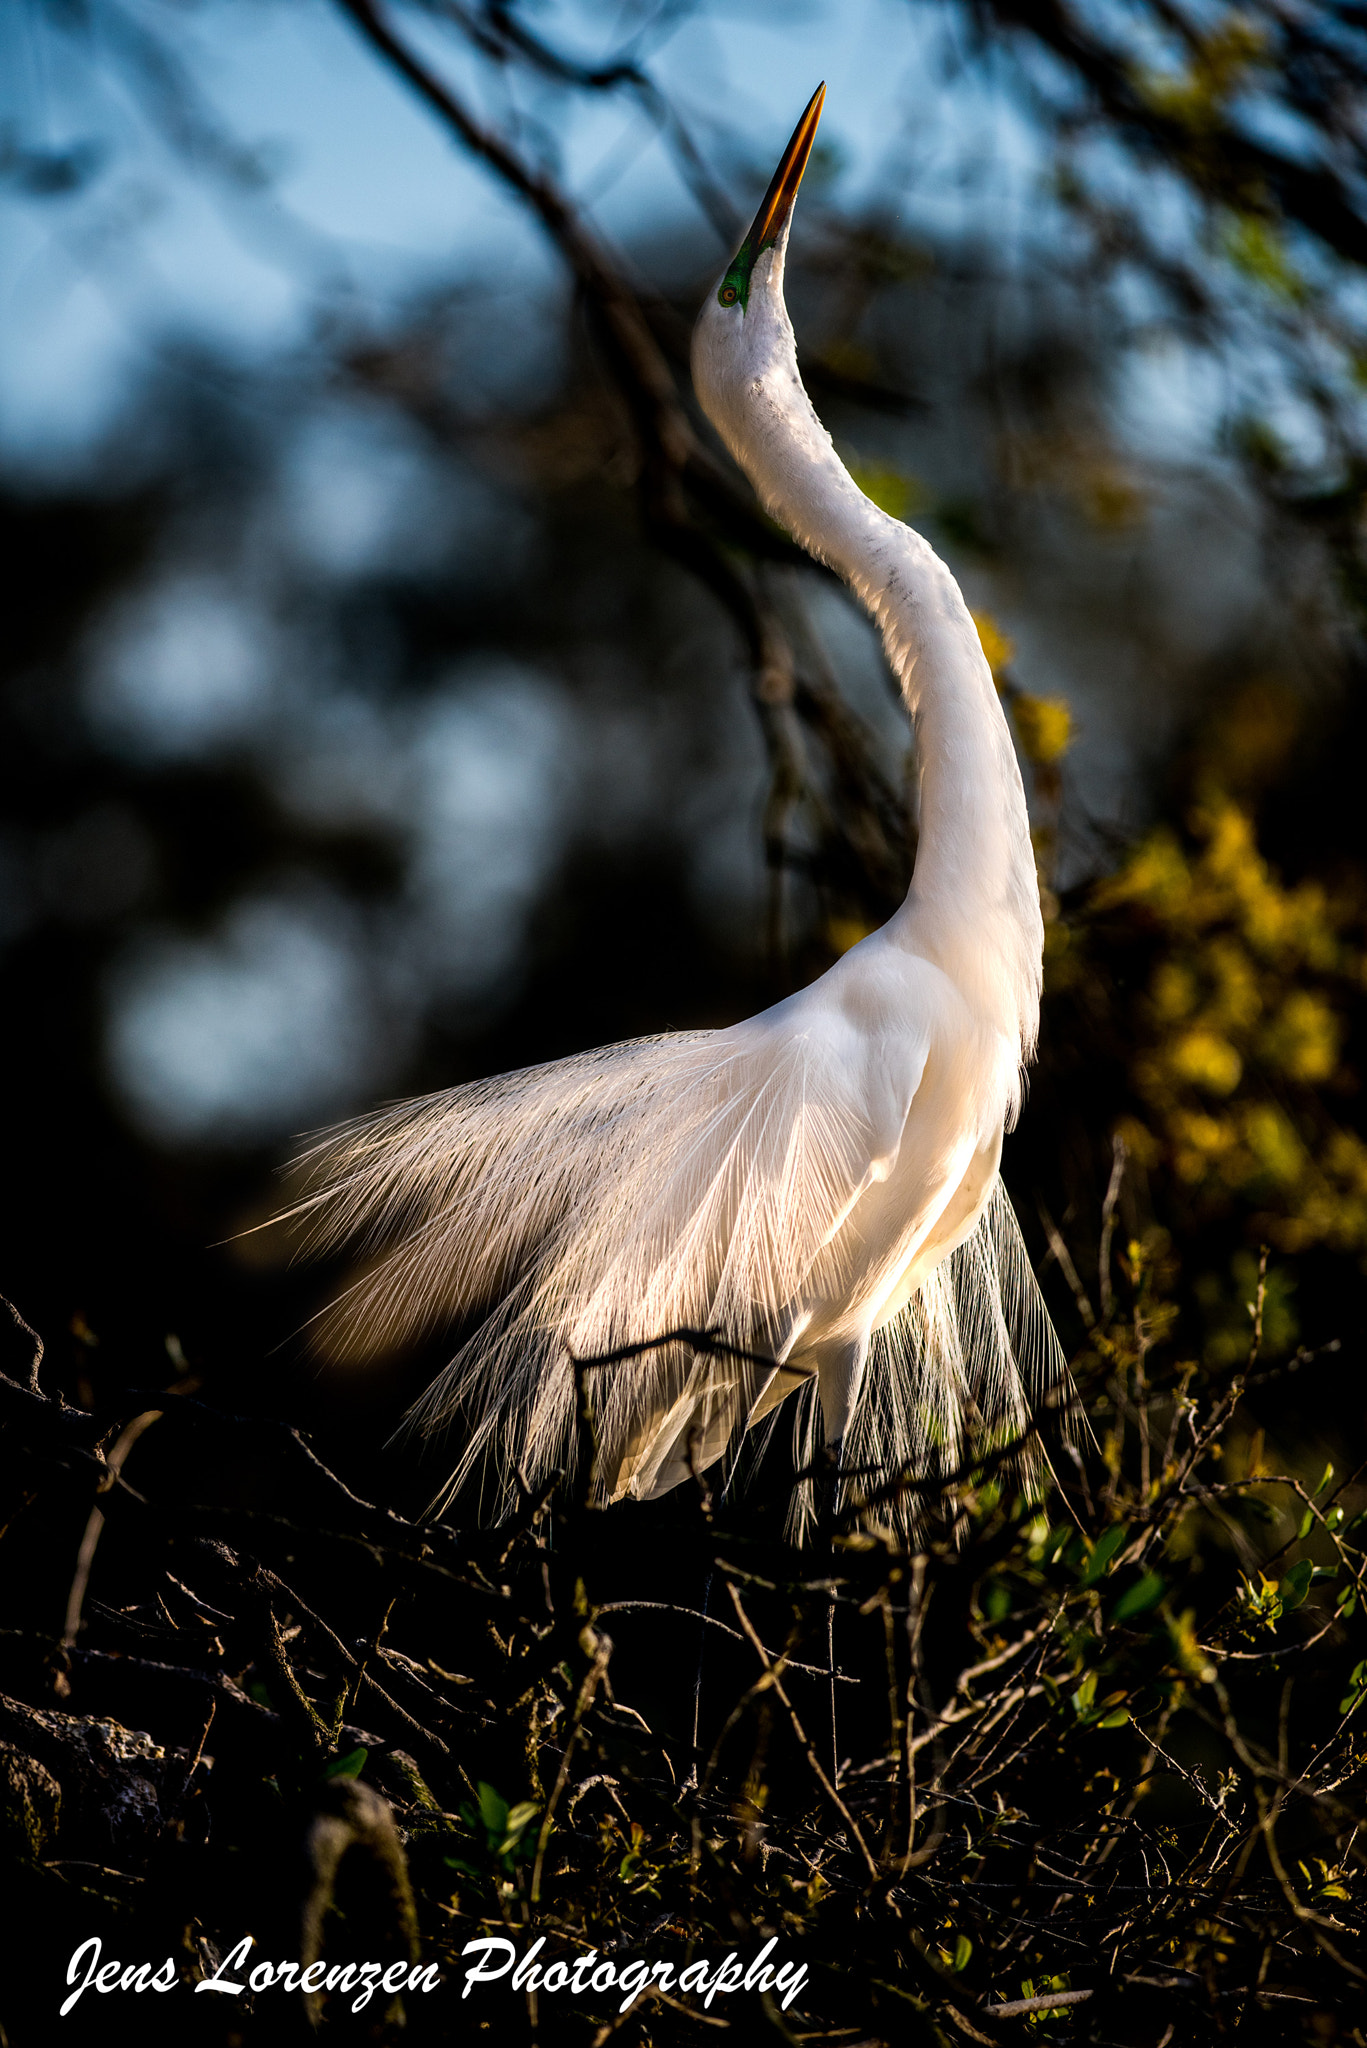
(686,1182)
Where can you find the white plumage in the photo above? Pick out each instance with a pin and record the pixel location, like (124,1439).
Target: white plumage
(816,1186)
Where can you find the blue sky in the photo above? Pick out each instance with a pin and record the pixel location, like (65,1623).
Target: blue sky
(367,199)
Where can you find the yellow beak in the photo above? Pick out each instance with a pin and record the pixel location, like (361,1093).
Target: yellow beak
(777,204)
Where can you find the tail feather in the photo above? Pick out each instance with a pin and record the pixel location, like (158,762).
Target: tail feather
(963,1370)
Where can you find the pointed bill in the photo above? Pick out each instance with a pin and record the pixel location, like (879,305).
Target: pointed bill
(777,204)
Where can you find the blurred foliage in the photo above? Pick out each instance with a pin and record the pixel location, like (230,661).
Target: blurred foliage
(1230,1007)
(1241,1029)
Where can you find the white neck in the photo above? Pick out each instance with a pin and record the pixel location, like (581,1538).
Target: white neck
(973,906)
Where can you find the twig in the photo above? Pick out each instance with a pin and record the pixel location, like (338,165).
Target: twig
(35,1340)
(773,1674)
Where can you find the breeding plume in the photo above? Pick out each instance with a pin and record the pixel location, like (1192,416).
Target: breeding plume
(816,1187)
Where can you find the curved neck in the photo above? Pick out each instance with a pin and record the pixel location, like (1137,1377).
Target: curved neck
(973,906)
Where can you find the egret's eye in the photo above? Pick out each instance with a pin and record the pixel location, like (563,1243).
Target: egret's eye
(728,295)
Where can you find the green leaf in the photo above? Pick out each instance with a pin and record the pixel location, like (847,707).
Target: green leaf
(493,1809)
(1328,1475)
(1347,1600)
(516,1841)
(1296,1584)
(963,1949)
(1085,1694)
(1140,1597)
(1103,1550)
(996,1601)
(1307,1524)
(349,1766)
(1119,1719)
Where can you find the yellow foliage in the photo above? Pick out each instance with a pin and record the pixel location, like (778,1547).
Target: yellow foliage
(1346,1159)
(891,490)
(1254,735)
(1304,1037)
(844,932)
(1254,246)
(1236,1000)
(1207,1060)
(1155,876)
(1240,1027)
(1045,726)
(1139,1141)
(995,644)
(1174,990)
(1198,1142)
(1219,66)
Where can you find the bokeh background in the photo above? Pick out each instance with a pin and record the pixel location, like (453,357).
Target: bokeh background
(387,699)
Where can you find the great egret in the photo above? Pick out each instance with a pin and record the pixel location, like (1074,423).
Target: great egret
(815,1188)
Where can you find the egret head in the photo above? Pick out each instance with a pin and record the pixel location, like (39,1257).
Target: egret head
(743,320)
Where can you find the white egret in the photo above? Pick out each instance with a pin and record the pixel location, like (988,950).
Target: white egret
(816,1186)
